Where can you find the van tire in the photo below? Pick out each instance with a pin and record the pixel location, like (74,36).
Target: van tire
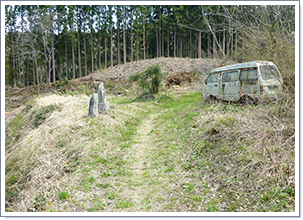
(212,99)
(247,100)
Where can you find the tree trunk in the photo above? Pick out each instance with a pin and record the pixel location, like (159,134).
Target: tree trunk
(111,47)
(99,49)
(99,41)
(34,74)
(223,43)
(161,33)
(175,38)
(168,41)
(190,44)
(37,74)
(49,69)
(236,45)
(91,44)
(157,42)
(131,37)
(199,45)
(23,60)
(181,46)
(208,46)
(105,50)
(214,47)
(144,55)
(137,49)
(79,57)
(124,38)
(85,55)
(118,34)
(74,68)
(53,58)
(66,62)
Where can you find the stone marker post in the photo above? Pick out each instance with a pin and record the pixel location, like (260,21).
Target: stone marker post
(103,105)
(93,106)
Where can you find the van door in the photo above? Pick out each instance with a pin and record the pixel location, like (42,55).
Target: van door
(230,85)
(249,82)
(212,85)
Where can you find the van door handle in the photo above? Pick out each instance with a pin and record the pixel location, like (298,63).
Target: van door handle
(216,85)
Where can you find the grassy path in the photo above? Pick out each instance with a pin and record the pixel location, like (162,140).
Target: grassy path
(171,155)
(140,151)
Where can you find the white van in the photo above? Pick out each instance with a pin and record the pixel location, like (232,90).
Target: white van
(243,81)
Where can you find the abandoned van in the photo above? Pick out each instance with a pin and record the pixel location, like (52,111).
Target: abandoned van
(243,81)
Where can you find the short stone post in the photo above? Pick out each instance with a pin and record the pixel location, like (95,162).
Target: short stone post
(103,105)
(93,106)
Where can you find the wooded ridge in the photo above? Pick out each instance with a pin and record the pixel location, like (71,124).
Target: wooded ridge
(45,43)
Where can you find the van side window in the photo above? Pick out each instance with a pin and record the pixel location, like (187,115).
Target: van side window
(250,74)
(213,78)
(230,76)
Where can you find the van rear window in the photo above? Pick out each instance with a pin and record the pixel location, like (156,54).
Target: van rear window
(230,76)
(250,74)
(213,78)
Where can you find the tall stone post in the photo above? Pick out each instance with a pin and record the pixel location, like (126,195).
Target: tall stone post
(93,106)
(103,105)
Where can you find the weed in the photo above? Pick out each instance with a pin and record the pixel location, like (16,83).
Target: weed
(63,195)
(124,204)
(16,126)
(189,186)
(103,185)
(165,98)
(169,169)
(212,207)
(61,143)
(112,194)
(97,206)
(43,112)
(40,202)
(91,179)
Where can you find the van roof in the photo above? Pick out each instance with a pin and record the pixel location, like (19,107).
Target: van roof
(241,65)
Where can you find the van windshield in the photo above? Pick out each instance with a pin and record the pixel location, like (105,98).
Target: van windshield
(269,72)
(213,78)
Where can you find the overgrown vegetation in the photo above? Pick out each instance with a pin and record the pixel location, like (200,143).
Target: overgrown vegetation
(41,113)
(174,153)
(201,156)
(149,80)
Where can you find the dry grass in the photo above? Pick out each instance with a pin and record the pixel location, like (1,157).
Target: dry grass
(37,162)
(244,155)
(187,156)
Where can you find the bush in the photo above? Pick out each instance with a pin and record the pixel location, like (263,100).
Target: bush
(150,79)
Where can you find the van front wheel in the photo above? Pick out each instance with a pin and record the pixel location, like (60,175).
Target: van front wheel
(247,100)
(212,99)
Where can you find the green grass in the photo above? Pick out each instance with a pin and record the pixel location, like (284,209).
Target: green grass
(43,112)
(201,157)
(124,204)
(63,195)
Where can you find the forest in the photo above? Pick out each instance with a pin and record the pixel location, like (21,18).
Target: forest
(49,43)
(160,147)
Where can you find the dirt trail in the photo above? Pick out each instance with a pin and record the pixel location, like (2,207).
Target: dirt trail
(140,151)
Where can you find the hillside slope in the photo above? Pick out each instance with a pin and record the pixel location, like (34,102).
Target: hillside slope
(16,97)
(176,153)
(168,65)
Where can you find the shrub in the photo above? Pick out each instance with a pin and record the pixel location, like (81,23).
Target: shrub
(150,79)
